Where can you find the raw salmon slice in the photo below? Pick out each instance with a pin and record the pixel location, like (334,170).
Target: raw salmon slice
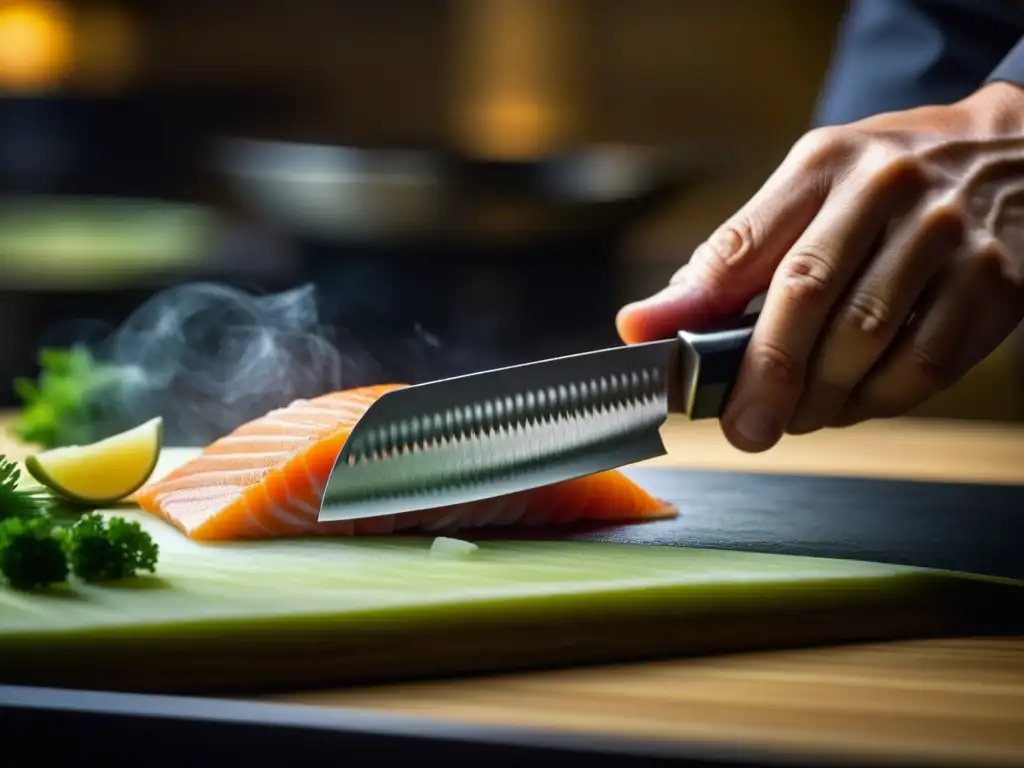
(266,479)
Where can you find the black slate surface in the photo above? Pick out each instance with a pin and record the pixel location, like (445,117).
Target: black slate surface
(972,528)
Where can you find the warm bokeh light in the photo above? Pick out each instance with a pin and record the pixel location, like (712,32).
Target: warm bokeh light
(35,44)
(106,48)
(516,76)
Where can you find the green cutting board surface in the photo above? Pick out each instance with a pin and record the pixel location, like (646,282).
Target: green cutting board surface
(332,610)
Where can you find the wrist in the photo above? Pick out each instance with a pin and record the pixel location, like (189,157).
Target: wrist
(996,109)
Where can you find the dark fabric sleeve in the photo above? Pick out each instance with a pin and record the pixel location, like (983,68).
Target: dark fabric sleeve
(1011,68)
(900,54)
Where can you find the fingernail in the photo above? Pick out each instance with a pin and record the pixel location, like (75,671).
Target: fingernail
(758,424)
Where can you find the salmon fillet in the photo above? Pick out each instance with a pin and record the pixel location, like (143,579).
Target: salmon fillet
(266,479)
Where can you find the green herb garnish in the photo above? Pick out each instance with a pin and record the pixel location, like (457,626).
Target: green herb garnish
(56,408)
(18,502)
(32,552)
(101,549)
(41,542)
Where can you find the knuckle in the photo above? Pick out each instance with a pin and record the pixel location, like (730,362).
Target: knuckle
(777,365)
(993,262)
(709,263)
(720,251)
(944,218)
(824,145)
(928,368)
(869,315)
(989,258)
(901,169)
(808,275)
(728,245)
(878,156)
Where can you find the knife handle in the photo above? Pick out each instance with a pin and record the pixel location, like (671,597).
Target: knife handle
(711,362)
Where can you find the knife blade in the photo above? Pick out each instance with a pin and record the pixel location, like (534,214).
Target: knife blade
(487,434)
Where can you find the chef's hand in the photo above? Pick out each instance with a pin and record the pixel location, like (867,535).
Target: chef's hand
(892,253)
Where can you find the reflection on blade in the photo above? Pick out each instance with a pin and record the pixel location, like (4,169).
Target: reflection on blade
(488,434)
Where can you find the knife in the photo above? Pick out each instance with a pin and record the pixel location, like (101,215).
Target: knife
(482,435)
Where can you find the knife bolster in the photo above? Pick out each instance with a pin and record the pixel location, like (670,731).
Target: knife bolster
(710,363)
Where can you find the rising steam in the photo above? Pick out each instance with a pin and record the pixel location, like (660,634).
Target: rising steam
(208,357)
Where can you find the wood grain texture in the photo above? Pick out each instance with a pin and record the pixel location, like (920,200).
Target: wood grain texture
(949,701)
(942,701)
(917,449)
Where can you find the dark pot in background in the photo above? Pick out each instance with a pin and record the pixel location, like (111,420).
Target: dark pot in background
(438,263)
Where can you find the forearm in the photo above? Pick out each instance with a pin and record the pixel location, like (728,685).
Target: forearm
(1011,68)
(901,54)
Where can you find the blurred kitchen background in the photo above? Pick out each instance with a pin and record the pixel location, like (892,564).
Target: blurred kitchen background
(466,182)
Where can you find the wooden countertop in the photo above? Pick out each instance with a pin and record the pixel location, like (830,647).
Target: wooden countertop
(950,700)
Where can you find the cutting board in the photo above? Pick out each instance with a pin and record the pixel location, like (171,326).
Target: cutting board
(223,617)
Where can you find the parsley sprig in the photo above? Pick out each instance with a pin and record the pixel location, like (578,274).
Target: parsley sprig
(44,540)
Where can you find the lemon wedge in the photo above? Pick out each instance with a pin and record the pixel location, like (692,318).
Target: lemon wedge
(103,472)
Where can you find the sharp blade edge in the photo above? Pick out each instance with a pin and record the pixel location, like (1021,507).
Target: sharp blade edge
(489,434)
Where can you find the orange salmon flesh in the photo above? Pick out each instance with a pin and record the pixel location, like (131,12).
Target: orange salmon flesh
(266,479)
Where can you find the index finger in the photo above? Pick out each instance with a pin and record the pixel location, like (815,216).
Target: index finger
(735,264)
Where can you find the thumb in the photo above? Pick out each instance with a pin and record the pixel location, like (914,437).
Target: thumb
(694,299)
(733,266)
